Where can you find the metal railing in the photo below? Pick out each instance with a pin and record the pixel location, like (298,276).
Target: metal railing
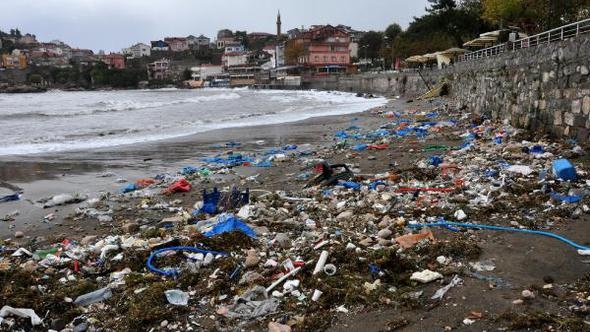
(564,32)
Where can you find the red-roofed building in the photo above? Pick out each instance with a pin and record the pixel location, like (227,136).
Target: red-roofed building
(114,60)
(325,49)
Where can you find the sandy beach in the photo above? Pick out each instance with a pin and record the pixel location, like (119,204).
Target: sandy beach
(487,297)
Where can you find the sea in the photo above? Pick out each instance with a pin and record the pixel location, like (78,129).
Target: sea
(58,121)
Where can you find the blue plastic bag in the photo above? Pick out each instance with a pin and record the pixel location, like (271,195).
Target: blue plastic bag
(350,185)
(566,198)
(435,160)
(564,169)
(210,201)
(229,223)
(129,188)
(360,147)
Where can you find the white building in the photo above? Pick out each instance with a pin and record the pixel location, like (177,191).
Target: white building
(205,71)
(138,50)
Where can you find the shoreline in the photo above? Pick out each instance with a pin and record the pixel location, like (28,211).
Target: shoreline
(47,174)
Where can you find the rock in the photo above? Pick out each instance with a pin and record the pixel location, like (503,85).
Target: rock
(350,246)
(442,260)
(527,294)
(276,327)
(29,266)
(130,227)
(57,324)
(88,240)
(425,276)
(81,327)
(384,233)
(519,301)
(164,323)
(170,221)
(19,235)
(366,242)
(251,277)
(385,242)
(344,215)
(283,240)
(384,223)
(460,215)
(251,259)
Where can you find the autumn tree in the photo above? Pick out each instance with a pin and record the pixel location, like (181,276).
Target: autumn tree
(293,50)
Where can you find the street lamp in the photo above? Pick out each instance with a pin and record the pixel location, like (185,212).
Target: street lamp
(390,43)
(366,61)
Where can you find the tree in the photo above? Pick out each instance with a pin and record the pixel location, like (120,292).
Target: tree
(370,45)
(293,50)
(242,37)
(392,31)
(535,16)
(187,74)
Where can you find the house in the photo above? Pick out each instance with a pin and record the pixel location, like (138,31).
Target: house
(197,43)
(82,55)
(325,49)
(114,60)
(159,45)
(255,36)
(138,50)
(224,36)
(234,59)
(159,70)
(49,54)
(28,39)
(14,60)
(294,33)
(277,53)
(234,55)
(177,44)
(206,71)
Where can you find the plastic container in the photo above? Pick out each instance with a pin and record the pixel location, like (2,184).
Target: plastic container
(564,169)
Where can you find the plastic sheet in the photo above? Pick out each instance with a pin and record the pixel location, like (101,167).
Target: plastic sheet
(229,223)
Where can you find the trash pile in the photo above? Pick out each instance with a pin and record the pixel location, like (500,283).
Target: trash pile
(346,239)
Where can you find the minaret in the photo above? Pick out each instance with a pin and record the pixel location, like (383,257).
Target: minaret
(279,24)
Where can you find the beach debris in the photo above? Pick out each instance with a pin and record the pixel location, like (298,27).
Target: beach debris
(20,312)
(62,199)
(94,297)
(425,276)
(177,297)
(438,295)
(10,198)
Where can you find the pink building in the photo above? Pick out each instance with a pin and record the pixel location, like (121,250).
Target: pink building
(325,48)
(177,44)
(114,60)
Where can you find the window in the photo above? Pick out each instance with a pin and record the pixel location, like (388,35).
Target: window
(342,59)
(325,58)
(333,59)
(317,58)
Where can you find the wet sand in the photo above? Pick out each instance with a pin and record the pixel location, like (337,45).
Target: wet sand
(45,175)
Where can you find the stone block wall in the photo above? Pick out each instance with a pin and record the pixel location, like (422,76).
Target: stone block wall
(545,88)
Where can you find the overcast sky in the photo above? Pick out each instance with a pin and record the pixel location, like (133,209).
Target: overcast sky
(113,24)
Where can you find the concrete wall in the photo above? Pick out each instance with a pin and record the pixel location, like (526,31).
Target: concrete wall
(546,88)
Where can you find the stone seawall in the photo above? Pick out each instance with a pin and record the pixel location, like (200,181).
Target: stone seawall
(546,88)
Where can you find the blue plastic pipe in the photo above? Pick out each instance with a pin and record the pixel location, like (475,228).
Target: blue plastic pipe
(447,224)
(174,272)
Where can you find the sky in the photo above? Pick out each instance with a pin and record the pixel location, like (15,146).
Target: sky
(113,24)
